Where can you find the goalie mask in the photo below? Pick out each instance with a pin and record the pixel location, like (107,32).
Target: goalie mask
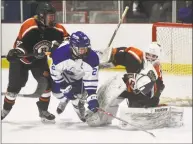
(46,14)
(80,44)
(153,52)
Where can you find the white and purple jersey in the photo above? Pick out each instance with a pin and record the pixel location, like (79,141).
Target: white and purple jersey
(66,68)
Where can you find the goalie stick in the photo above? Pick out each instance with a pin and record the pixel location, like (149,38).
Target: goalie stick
(108,49)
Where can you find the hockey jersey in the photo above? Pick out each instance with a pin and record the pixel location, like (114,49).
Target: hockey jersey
(66,68)
(31,34)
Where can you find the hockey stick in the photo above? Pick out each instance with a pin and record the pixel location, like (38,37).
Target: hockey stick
(27,55)
(108,49)
(23,95)
(141,129)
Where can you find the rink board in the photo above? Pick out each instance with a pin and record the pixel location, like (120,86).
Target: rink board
(181,69)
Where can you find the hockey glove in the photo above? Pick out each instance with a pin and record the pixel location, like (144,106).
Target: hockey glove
(93,104)
(68,92)
(72,90)
(13,54)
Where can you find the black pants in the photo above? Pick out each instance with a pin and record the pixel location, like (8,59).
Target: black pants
(139,100)
(18,74)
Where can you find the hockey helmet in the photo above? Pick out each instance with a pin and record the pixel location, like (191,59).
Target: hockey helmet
(46,14)
(80,44)
(153,52)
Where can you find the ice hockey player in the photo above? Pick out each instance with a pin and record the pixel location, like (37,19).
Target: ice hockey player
(35,37)
(134,61)
(141,86)
(75,74)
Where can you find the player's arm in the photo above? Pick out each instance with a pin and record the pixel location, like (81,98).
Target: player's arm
(18,47)
(65,35)
(117,58)
(91,80)
(22,42)
(159,83)
(91,84)
(58,42)
(158,89)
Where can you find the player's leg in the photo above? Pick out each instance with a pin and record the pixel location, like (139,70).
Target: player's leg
(75,94)
(40,71)
(18,75)
(139,100)
(60,96)
(78,104)
(79,108)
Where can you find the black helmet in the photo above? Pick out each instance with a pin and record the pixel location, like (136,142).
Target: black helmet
(44,10)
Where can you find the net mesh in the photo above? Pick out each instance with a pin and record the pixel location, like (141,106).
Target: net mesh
(176,42)
(176,61)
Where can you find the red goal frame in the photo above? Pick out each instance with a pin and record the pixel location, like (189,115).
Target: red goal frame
(167,24)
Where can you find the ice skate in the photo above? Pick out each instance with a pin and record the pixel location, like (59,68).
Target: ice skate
(80,110)
(62,106)
(4,113)
(46,117)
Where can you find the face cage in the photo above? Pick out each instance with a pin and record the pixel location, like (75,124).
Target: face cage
(44,19)
(50,19)
(150,57)
(76,51)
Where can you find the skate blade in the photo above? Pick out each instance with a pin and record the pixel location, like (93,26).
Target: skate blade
(46,121)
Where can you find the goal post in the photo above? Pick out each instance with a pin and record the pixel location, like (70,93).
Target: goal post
(176,42)
(176,61)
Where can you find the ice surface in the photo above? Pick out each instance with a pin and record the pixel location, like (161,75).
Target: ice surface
(23,125)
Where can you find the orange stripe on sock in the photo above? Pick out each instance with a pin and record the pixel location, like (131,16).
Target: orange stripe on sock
(9,101)
(44,99)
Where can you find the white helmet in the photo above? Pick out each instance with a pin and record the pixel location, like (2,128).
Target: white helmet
(153,52)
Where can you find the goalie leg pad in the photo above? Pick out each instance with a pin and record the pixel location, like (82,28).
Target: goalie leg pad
(106,119)
(109,100)
(151,118)
(109,91)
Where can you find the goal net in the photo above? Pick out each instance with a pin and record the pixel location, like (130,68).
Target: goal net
(176,60)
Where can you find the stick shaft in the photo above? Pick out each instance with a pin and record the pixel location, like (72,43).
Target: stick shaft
(120,21)
(107,51)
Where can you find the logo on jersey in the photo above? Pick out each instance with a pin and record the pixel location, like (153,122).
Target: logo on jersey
(41,47)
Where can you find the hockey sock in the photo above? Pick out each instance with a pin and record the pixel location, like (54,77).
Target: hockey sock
(44,100)
(8,104)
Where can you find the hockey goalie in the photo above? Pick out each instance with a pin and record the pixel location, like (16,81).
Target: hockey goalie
(140,90)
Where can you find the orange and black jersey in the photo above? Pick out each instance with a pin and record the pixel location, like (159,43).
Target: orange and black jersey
(31,33)
(130,57)
(158,69)
(133,60)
